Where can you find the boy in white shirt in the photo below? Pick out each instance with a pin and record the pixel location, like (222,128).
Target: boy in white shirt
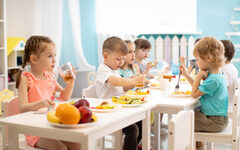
(230,71)
(109,83)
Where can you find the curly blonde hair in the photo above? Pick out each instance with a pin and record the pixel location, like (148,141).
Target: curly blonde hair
(212,48)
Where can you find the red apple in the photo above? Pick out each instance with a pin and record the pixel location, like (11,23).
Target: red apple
(86,114)
(81,102)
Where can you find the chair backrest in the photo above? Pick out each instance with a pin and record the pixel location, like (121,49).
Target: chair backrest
(90,91)
(91,78)
(181,131)
(10,107)
(236,116)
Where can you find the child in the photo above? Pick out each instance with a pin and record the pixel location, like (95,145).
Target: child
(213,93)
(230,71)
(129,70)
(141,53)
(36,87)
(109,83)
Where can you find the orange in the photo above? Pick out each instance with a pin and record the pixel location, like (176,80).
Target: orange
(69,115)
(60,108)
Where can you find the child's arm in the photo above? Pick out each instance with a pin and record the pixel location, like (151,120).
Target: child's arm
(119,81)
(186,75)
(24,106)
(195,91)
(66,93)
(137,68)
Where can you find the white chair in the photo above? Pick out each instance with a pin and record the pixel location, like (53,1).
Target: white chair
(91,78)
(90,91)
(230,135)
(10,108)
(181,131)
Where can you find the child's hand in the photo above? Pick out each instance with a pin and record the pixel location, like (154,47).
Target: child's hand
(149,66)
(140,80)
(182,61)
(47,102)
(183,70)
(202,74)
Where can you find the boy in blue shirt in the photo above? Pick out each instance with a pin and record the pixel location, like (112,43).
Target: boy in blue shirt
(213,93)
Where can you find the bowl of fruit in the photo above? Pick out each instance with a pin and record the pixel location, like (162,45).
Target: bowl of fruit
(72,115)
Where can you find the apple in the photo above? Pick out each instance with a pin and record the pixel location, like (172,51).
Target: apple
(86,114)
(81,102)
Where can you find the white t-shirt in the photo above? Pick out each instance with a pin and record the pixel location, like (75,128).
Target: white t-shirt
(231,75)
(103,88)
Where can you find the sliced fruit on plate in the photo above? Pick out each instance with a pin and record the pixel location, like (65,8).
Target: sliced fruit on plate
(137,92)
(181,93)
(128,100)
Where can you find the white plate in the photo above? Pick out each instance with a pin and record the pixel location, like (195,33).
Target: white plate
(105,110)
(82,125)
(179,96)
(132,105)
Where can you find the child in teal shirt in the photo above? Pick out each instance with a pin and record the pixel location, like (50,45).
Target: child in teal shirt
(213,93)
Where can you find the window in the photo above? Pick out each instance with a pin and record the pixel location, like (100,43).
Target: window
(145,16)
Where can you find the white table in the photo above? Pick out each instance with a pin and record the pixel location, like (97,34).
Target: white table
(170,105)
(37,124)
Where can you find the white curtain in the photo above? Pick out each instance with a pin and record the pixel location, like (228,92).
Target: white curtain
(74,9)
(49,22)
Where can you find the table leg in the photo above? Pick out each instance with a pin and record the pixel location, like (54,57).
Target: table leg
(13,138)
(146,131)
(157,127)
(118,140)
(88,144)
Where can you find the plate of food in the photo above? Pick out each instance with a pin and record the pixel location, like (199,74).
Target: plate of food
(105,107)
(155,85)
(137,93)
(181,94)
(129,101)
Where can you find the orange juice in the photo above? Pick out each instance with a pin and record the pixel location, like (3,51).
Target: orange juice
(67,78)
(169,77)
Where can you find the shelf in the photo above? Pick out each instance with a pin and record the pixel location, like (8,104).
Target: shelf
(236,60)
(234,22)
(232,34)
(237,45)
(236,9)
(16,67)
(2,75)
(1,20)
(1,48)
(12,83)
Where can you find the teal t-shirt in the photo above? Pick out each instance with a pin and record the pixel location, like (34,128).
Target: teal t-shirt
(215,100)
(126,73)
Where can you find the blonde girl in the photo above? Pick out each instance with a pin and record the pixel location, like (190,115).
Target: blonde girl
(37,86)
(213,93)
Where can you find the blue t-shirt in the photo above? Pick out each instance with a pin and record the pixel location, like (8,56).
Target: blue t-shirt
(215,100)
(126,73)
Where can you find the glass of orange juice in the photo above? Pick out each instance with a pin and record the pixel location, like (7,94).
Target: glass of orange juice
(66,72)
(140,86)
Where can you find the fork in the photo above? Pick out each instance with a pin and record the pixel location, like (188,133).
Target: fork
(177,86)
